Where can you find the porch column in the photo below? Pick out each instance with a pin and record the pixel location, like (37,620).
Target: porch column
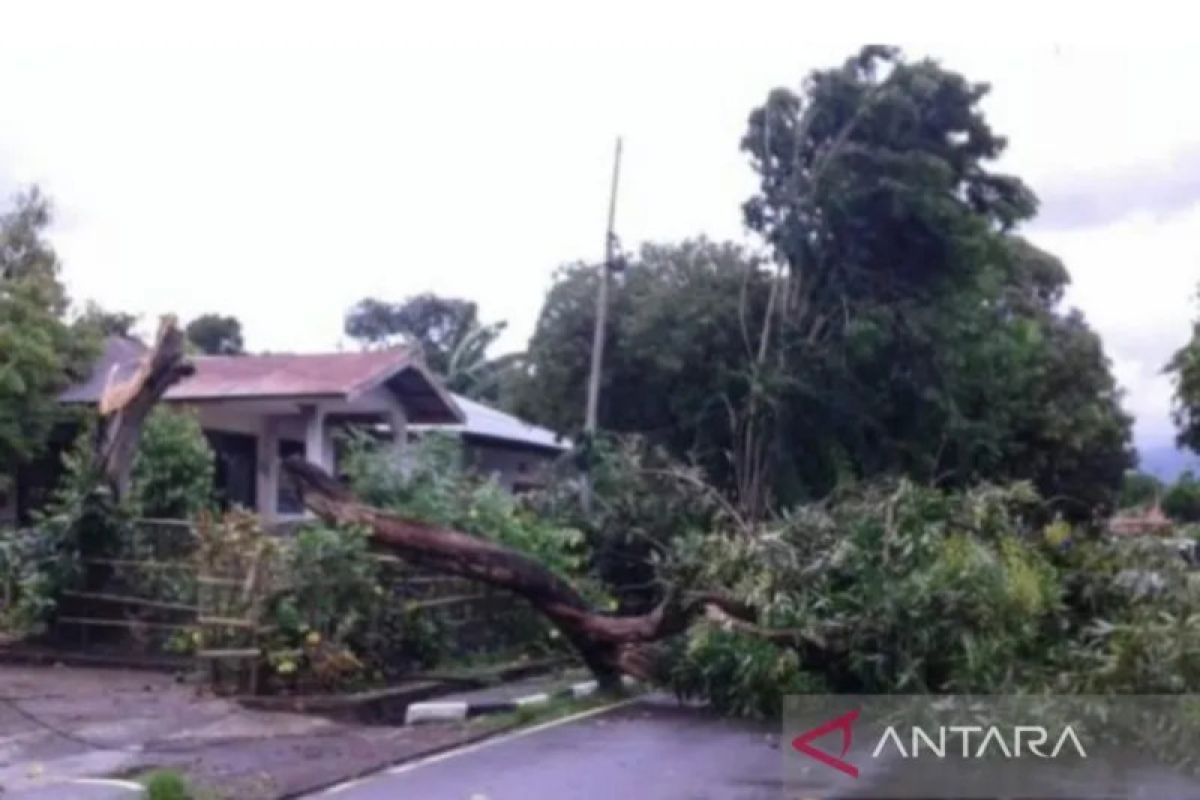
(399,421)
(268,467)
(315,451)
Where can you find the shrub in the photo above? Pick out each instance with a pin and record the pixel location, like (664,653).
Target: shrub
(81,520)
(28,587)
(174,466)
(165,784)
(339,622)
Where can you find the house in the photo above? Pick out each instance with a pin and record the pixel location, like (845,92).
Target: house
(258,409)
(513,452)
(1147,521)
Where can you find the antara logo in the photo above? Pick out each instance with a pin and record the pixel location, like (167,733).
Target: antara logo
(844,723)
(973,741)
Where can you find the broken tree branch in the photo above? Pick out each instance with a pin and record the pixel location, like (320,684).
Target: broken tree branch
(609,645)
(124,405)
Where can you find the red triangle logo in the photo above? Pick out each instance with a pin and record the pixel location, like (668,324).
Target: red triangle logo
(844,723)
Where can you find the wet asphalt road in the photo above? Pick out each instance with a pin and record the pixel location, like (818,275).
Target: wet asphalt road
(650,750)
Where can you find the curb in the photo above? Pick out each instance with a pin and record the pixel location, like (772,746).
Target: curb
(453,710)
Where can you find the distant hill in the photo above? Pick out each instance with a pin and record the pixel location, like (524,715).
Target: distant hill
(1167,461)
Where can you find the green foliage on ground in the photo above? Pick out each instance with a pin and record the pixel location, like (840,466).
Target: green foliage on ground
(910,589)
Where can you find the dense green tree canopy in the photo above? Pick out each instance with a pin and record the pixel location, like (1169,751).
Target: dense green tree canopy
(900,324)
(1184,369)
(102,322)
(216,335)
(39,354)
(1181,502)
(676,347)
(445,330)
(1139,490)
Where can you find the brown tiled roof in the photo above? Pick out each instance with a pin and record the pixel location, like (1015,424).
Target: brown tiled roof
(283,376)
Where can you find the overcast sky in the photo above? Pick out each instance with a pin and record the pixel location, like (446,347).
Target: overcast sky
(280,160)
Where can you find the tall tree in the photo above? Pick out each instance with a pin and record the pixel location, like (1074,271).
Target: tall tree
(447,333)
(39,355)
(216,335)
(677,346)
(1184,369)
(902,326)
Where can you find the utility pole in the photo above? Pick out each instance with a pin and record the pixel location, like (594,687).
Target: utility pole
(606,268)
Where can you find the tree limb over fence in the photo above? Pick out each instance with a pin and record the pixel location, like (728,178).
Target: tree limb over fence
(609,645)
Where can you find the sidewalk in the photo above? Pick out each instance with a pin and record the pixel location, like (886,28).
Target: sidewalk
(58,723)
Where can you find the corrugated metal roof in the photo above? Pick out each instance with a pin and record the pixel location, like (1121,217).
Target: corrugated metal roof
(491,423)
(248,377)
(307,375)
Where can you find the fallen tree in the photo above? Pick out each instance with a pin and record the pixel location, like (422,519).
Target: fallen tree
(609,645)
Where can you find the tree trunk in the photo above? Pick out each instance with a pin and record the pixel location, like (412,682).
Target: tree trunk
(124,405)
(609,645)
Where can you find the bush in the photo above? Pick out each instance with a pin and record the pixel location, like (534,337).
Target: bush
(165,784)
(81,520)
(909,589)
(339,623)
(28,588)
(174,467)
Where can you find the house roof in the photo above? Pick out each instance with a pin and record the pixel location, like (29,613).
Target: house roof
(283,376)
(489,423)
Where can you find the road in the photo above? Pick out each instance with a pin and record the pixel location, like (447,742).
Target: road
(651,749)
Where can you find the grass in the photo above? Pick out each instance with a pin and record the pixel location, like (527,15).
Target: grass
(168,784)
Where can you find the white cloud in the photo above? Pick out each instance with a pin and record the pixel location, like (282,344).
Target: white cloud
(1136,279)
